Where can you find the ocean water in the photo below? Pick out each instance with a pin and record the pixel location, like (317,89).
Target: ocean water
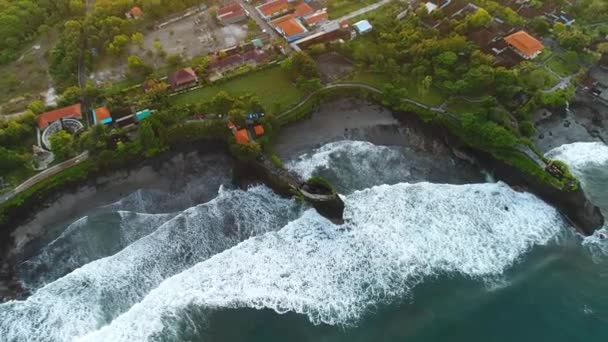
(415,261)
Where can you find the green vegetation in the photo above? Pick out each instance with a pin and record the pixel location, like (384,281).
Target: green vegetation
(339,8)
(272,86)
(321,182)
(562,67)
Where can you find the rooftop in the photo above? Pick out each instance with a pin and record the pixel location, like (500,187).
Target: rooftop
(302,9)
(273,7)
(231,10)
(316,17)
(73,111)
(181,77)
(525,43)
(241,136)
(363,26)
(136,12)
(102,115)
(289,25)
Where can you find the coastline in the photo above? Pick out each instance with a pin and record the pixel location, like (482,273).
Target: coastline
(351,118)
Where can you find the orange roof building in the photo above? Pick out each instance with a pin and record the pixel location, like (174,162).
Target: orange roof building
(302,9)
(316,17)
(290,27)
(241,136)
(273,8)
(524,44)
(259,130)
(102,115)
(70,112)
(136,13)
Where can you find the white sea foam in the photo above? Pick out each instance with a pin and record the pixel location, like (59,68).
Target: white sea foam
(394,238)
(89,238)
(581,155)
(589,162)
(94,294)
(361,152)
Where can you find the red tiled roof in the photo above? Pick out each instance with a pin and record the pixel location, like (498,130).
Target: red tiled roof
(316,17)
(259,130)
(302,9)
(289,25)
(273,7)
(73,111)
(102,113)
(524,42)
(232,10)
(136,12)
(182,77)
(241,136)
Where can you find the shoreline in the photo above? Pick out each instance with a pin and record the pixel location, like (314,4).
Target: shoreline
(342,118)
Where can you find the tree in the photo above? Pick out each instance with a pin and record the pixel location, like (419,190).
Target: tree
(447,59)
(425,85)
(137,66)
(11,161)
(540,25)
(221,103)
(69,96)
(36,106)
(301,64)
(62,145)
(480,18)
(118,44)
(200,64)
(137,38)
(147,139)
(175,60)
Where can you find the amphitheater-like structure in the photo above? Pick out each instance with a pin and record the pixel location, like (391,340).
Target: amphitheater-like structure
(70,125)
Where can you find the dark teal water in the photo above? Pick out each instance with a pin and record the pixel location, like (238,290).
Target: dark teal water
(557,294)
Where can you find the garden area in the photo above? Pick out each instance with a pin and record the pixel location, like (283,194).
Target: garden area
(272,86)
(339,8)
(562,67)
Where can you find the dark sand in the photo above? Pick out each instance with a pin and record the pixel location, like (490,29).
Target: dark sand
(586,120)
(354,119)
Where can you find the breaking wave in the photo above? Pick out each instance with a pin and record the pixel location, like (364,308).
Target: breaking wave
(394,238)
(93,295)
(589,163)
(356,165)
(88,239)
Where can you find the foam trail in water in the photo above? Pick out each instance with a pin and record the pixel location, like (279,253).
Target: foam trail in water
(94,294)
(395,236)
(87,239)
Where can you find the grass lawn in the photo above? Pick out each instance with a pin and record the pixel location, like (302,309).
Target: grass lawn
(461,106)
(561,66)
(272,86)
(378,80)
(339,8)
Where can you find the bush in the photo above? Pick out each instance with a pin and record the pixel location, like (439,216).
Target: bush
(527,129)
(321,182)
(276,160)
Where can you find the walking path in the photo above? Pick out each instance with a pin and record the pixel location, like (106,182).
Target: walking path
(363,10)
(45,174)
